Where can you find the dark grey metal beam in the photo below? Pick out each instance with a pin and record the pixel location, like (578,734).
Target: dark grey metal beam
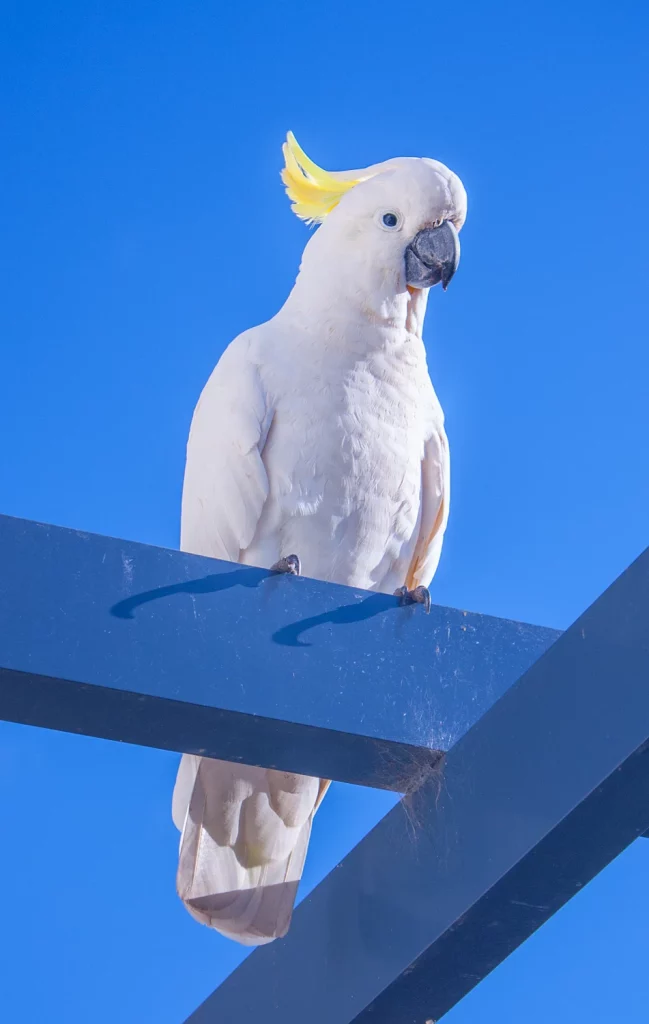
(156,647)
(537,797)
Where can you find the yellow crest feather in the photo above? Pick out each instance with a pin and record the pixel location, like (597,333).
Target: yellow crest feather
(313,191)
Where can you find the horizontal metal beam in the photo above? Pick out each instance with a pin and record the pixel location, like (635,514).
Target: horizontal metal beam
(157,647)
(541,794)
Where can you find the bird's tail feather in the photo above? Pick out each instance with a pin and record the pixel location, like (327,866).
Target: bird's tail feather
(245,833)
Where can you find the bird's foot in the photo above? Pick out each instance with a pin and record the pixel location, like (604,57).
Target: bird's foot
(289,565)
(420,595)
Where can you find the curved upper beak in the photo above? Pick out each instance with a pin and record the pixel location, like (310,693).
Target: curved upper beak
(433,256)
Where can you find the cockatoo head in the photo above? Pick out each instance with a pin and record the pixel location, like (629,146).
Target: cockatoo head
(385,231)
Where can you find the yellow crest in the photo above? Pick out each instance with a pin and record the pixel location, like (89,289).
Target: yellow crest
(313,192)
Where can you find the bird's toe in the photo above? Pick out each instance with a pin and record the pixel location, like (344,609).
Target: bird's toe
(290,565)
(420,595)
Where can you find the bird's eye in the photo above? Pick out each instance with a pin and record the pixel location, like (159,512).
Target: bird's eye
(388,220)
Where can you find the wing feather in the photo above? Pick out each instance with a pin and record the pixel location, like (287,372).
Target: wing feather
(435,499)
(226,484)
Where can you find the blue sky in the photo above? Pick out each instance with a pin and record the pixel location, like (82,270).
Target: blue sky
(141,151)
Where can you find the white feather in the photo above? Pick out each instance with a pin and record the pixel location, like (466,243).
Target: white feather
(319,433)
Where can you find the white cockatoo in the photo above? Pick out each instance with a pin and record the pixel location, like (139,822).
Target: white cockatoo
(318,446)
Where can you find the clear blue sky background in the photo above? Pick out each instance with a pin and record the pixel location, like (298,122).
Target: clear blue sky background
(140,159)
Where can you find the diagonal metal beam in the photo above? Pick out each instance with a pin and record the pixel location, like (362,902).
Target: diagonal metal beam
(164,649)
(540,795)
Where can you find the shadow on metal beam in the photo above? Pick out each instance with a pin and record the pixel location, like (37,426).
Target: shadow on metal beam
(145,645)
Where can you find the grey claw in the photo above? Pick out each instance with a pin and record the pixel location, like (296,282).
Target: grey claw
(420,595)
(289,565)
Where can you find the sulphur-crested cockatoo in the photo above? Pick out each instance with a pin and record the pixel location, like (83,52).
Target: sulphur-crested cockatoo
(318,445)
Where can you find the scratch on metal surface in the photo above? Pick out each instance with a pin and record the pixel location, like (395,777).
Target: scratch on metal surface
(532,906)
(127,566)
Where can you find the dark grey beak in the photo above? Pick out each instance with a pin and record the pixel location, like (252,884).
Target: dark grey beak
(433,256)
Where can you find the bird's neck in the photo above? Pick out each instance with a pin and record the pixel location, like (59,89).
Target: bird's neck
(378,312)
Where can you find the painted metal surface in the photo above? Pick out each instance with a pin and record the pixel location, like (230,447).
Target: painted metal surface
(156,647)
